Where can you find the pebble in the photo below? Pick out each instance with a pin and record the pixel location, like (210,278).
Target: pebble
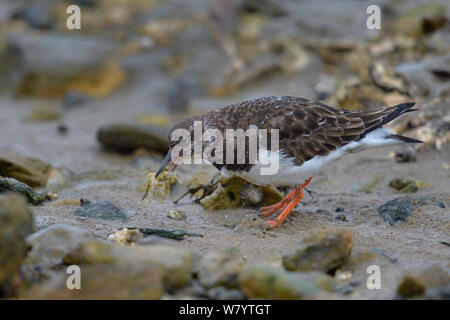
(400,209)
(100,210)
(320,249)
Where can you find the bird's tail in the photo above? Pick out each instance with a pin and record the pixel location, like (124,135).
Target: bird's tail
(376,119)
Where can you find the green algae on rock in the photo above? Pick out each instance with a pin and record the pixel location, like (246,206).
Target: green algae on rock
(228,194)
(12,185)
(159,187)
(129,137)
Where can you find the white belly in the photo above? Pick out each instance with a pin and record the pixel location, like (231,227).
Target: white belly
(288,174)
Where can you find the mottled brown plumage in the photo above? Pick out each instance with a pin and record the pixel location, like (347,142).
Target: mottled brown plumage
(306,128)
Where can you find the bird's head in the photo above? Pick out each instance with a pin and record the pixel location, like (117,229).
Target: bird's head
(181,136)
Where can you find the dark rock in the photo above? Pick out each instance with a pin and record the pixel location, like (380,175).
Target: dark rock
(16,222)
(320,249)
(401,208)
(176,234)
(12,185)
(62,129)
(127,137)
(100,210)
(410,287)
(341,217)
(339,209)
(263,282)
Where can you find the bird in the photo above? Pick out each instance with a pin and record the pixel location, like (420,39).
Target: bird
(311,135)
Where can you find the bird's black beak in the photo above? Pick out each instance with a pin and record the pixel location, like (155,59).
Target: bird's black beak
(164,164)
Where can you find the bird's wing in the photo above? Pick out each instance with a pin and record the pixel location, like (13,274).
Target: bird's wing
(309,128)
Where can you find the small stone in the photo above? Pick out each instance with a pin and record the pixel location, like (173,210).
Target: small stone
(410,287)
(416,283)
(341,217)
(401,208)
(100,210)
(58,178)
(160,186)
(62,129)
(12,185)
(339,209)
(322,212)
(44,113)
(176,214)
(220,268)
(16,223)
(260,281)
(320,249)
(405,155)
(128,137)
(125,236)
(400,183)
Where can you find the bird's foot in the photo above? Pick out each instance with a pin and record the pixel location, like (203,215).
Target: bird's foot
(287,205)
(279,206)
(297,197)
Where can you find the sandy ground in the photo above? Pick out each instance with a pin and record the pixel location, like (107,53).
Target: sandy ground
(411,244)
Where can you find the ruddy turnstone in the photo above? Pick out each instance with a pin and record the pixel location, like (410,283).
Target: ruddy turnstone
(311,135)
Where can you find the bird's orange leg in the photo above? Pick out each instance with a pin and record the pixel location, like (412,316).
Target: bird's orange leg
(294,200)
(269,210)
